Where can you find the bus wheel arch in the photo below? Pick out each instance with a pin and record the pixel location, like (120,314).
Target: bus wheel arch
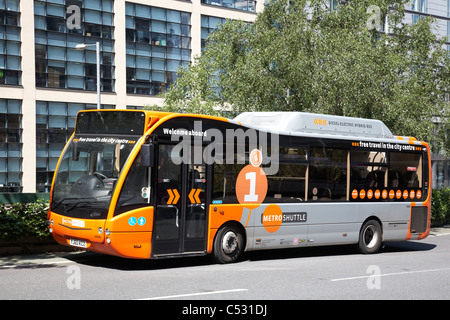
(229,242)
(370,236)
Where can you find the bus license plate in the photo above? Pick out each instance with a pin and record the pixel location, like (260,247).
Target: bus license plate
(78,243)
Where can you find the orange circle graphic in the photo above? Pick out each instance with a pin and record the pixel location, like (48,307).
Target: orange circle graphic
(412,194)
(251,185)
(405,194)
(354,194)
(272,218)
(362,193)
(384,194)
(369,194)
(377,194)
(391,194)
(398,194)
(419,194)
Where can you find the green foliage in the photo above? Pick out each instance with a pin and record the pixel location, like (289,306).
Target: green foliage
(300,56)
(23,220)
(440,207)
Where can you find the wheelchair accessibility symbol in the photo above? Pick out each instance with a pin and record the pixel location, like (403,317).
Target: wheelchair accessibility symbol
(132,221)
(140,221)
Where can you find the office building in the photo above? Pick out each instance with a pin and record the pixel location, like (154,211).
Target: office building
(45,80)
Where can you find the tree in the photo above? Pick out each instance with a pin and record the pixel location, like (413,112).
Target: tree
(301,56)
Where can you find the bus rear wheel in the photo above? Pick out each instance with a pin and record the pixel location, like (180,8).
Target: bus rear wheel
(370,237)
(228,245)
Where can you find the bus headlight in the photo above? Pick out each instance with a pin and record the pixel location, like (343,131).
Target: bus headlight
(108,240)
(100,230)
(107,232)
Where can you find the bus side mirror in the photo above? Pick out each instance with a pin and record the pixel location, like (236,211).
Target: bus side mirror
(147,155)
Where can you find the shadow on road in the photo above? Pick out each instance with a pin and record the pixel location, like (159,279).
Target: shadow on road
(404,246)
(111,262)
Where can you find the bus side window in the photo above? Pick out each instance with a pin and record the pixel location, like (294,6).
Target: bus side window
(287,185)
(328,174)
(368,169)
(405,170)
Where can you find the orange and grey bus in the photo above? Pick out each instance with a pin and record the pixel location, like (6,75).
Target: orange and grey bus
(144,184)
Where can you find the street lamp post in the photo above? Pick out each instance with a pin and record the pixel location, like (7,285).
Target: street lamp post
(83,46)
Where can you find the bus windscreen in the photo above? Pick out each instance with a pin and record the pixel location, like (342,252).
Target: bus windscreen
(111,122)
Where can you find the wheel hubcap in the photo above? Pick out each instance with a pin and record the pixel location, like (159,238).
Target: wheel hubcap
(229,242)
(370,236)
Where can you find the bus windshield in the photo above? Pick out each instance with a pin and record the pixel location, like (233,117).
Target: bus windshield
(87,174)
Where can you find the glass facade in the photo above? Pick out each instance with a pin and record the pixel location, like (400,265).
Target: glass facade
(55,122)
(420,5)
(10,145)
(62,24)
(209,24)
(158,43)
(246,5)
(10,59)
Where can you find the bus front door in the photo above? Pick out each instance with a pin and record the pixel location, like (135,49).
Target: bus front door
(180,213)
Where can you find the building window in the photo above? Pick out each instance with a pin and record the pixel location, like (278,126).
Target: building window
(158,43)
(334,4)
(245,5)
(10,145)
(59,27)
(10,59)
(420,6)
(209,24)
(55,122)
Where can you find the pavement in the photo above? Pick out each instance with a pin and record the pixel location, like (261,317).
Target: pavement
(444,230)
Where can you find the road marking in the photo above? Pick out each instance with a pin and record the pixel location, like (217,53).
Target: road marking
(389,274)
(194,294)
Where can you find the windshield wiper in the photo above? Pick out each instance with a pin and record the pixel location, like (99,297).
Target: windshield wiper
(71,199)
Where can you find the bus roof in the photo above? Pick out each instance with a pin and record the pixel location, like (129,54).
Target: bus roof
(303,122)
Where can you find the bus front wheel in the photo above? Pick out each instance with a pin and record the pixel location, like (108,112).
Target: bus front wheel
(370,237)
(228,245)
